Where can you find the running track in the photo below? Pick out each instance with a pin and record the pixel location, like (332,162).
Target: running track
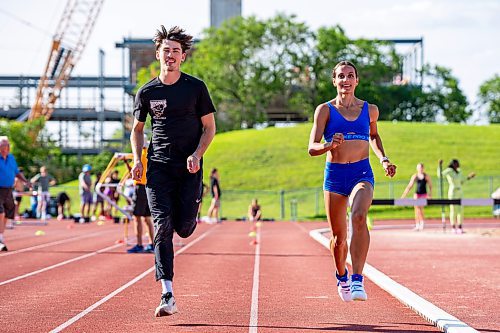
(80,280)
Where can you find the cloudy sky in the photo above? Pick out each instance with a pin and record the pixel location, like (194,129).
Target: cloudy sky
(459,34)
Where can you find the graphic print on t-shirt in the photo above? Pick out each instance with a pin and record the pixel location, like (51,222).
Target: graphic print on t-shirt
(158,107)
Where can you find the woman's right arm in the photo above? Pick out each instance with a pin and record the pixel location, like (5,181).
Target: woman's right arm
(317,148)
(410,185)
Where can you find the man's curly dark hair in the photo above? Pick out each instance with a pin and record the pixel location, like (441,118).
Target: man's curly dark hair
(176,34)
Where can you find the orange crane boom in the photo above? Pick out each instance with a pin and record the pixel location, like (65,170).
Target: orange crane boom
(70,39)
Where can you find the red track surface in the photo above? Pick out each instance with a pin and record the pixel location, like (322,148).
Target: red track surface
(215,276)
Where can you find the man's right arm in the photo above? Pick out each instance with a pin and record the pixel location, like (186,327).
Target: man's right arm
(137,142)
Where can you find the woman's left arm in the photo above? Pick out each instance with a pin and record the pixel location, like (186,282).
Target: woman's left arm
(376,143)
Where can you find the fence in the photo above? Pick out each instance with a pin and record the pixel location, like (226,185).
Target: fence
(307,203)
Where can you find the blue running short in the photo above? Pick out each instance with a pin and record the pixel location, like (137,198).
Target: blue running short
(341,178)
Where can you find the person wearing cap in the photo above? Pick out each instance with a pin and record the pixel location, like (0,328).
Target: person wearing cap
(8,171)
(85,189)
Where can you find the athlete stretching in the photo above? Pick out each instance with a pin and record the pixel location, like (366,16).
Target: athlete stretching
(348,125)
(183,126)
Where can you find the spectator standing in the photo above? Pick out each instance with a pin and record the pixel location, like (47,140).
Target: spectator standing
(8,171)
(42,181)
(423,182)
(85,189)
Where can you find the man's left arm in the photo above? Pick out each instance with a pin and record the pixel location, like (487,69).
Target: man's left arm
(208,124)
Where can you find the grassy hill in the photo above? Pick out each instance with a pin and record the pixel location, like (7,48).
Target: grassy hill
(262,163)
(275,159)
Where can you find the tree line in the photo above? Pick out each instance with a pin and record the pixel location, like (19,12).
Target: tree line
(250,64)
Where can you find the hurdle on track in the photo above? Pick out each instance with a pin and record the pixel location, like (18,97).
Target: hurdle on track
(126,211)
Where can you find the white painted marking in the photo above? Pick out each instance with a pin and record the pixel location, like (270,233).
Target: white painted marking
(443,320)
(62,241)
(254,310)
(59,264)
(122,288)
(317,297)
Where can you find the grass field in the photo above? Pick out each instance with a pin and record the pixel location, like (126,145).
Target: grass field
(273,165)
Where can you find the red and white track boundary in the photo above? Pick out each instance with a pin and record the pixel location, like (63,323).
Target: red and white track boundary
(438,317)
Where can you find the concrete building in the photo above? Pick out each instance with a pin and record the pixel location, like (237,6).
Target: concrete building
(221,10)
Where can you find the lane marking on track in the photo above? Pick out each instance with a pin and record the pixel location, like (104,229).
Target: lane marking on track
(316,297)
(300,226)
(62,241)
(20,277)
(123,287)
(438,317)
(254,309)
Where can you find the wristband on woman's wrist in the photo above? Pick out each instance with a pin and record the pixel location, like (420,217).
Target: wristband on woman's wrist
(384,159)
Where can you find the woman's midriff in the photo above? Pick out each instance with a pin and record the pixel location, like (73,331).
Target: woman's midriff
(349,152)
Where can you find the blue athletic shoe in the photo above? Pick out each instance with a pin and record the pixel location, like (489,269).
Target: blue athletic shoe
(357,288)
(136,249)
(149,248)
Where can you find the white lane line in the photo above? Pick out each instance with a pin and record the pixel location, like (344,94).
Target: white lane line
(438,317)
(254,310)
(122,288)
(62,241)
(59,264)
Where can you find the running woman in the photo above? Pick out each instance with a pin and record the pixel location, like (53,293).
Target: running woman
(423,181)
(348,125)
(183,125)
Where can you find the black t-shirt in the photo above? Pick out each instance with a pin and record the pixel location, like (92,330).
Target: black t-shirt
(214,182)
(176,112)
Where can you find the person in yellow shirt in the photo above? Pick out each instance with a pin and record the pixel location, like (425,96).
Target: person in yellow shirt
(141,208)
(455,179)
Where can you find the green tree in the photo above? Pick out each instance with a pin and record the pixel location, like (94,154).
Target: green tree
(440,95)
(489,96)
(30,153)
(377,63)
(248,64)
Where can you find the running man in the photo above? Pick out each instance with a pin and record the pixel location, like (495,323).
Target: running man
(183,125)
(423,181)
(349,127)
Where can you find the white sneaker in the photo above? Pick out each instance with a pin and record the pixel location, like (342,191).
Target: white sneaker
(344,287)
(167,305)
(358,291)
(421,226)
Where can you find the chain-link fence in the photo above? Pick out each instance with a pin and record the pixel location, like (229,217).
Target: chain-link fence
(308,203)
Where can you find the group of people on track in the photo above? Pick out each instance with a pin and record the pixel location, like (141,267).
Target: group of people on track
(183,126)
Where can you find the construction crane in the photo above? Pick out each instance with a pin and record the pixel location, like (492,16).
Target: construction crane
(69,41)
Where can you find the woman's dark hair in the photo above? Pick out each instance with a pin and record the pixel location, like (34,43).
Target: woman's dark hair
(176,34)
(344,63)
(453,163)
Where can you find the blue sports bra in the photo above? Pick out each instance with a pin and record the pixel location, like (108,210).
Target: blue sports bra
(358,129)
